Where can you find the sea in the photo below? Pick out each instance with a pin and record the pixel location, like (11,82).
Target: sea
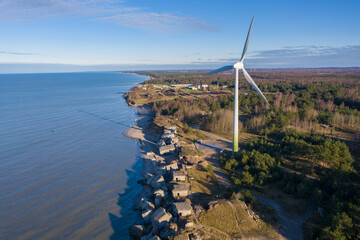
(67,171)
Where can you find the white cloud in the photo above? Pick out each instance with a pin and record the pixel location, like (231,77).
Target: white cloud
(157,21)
(100,10)
(308,56)
(297,56)
(19,10)
(17,53)
(304,51)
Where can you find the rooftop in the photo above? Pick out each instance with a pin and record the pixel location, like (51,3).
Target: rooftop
(180,187)
(166,147)
(182,206)
(160,213)
(178,173)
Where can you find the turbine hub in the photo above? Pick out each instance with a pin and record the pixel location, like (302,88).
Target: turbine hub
(239,65)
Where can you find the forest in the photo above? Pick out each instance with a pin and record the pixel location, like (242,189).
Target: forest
(262,161)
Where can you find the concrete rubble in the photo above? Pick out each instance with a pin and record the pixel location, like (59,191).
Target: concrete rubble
(183,209)
(160,214)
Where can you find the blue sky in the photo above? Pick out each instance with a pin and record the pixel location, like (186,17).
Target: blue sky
(81,35)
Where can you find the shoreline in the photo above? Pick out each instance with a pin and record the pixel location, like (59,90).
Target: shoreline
(154,193)
(144,118)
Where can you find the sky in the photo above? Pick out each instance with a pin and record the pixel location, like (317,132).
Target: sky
(95,35)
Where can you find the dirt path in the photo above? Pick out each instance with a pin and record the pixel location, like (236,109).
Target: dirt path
(237,217)
(211,148)
(289,226)
(203,227)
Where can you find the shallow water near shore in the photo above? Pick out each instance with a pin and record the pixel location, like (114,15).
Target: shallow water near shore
(66,169)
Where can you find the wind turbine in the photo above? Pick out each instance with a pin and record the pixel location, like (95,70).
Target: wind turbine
(239,66)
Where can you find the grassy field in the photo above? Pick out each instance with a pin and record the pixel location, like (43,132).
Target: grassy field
(204,182)
(251,228)
(223,218)
(234,220)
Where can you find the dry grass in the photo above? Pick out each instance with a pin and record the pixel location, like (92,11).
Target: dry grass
(192,135)
(246,137)
(203,182)
(216,233)
(182,236)
(223,218)
(248,226)
(251,228)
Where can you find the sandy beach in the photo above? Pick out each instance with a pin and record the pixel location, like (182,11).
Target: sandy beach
(146,141)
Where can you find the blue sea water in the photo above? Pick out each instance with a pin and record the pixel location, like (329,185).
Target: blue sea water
(66,169)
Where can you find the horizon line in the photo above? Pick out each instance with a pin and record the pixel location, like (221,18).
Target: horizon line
(180,70)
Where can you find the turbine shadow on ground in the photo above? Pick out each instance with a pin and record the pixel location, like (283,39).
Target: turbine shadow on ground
(217,148)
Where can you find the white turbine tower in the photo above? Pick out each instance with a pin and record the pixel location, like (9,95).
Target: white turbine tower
(239,66)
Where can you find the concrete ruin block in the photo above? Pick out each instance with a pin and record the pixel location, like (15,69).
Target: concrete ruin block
(154,238)
(171,128)
(145,204)
(168,135)
(189,225)
(136,231)
(147,237)
(149,180)
(178,176)
(167,149)
(183,209)
(157,182)
(164,188)
(168,230)
(171,166)
(159,193)
(160,218)
(180,190)
(148,175)
(146,216)
(158,202)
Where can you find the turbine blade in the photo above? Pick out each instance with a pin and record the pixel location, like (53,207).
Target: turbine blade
(247,42)
(222,69)
(252,83)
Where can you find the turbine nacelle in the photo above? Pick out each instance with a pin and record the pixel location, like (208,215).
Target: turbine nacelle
(238,65)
